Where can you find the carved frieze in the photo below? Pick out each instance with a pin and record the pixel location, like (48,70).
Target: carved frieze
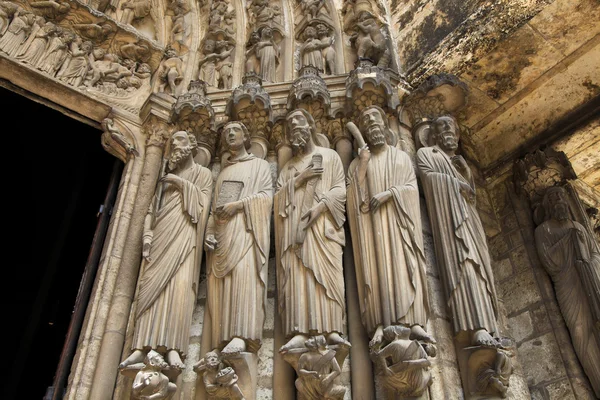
(216,63)
(265,32)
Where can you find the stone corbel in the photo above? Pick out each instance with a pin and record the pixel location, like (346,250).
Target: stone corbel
(118,141)
(193,113)
(251,104)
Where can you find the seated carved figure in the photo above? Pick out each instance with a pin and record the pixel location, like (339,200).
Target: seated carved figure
(220,381)
(317,370)
(150,382)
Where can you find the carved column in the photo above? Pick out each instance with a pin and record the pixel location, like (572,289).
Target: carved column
(157,132)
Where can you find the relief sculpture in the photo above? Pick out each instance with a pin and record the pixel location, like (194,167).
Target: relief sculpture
(309,218)
(571,257)
(385,222)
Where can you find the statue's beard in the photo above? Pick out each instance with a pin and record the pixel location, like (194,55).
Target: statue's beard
(560,211)
(375,135)
(178,154)
(300,137)
(449,142)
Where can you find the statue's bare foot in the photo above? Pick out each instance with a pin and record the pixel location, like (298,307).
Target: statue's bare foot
(418,333)
(135,357)
(335,339)
(174,360)
(234,348)
(377,337)
(483,338)
(297,342)
(496,384)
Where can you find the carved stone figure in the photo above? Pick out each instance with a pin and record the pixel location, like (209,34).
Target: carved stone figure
(369,40)
(327,49)
(459,238)
(237,244)
(105,68)
(170,72)
(172,251)
(207,63)
(402,363)
(57,52)
(263,13)
(224,66)
(385,221)
(17,32)
(150,382)
(34,52)
(220,381)
(572,259)
(135,9)
(8,10)
(309,218)
(318,370)
(267,53)
(53,10)
(310,50)
(79,63)
(96,32)
(311,8)
(251,52)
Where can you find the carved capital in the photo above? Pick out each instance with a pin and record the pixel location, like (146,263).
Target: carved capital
(157,132)
(115,142)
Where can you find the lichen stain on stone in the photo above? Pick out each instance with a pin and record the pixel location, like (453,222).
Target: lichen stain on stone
(591,86)
(506,81)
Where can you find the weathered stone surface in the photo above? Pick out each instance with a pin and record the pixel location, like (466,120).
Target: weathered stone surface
(521,326)
(520,292)
(541,348)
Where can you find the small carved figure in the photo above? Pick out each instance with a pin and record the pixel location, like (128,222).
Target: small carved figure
(571,257)
(170,73)
(178,8)
(237,244)
(135,9)
(8,9)
(317,372)
(224,66)
(311,8)
(327,49)
(34,52)
(251,53)
(220,381)
(369,41)
(172,251)
(494,376)
(53,10)
(207,64)
(95,32)
(57,52)
(262,13)
(385,222)
(402,363)
(267,53)
(136,51)
(17,32)
(309,233)
(76,69)
(310,50)
(459,239)
(150,383)
(105,67)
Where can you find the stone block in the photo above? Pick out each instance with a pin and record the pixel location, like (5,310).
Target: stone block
(560,390)
(541,358)
(521,326)
(520,259)
(502,269)
(540,319)
(519,292)
(270,317)
(265,364)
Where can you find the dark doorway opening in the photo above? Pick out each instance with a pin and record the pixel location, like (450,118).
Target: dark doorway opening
(58,177)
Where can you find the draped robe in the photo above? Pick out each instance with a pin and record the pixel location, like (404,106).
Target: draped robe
(237,268)
(460,245)
(168,284)
(577,290)
(399,244)
(310,277)
(15,35)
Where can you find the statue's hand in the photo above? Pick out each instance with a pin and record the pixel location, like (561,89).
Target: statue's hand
(313,214)
(210,243)
(467,192)
(364,155)
(226,211)
(146,246)
(172,179)
(309,172)
(379,199)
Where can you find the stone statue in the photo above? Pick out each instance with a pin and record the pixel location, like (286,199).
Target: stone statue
(571,257)
(237,244)
(385,222)
(8,10)
(459,238)
(310,50)
(220,381)
(57,52)
(402,363)
(34,52)
(54,10)
(170,72)
(207,63)
(317,372)
(309,219)
(369,41)
(95,32)
(106,68)
(135,9)
(251,52)
(224,66)
(150,383)
(267,53)
(172,251)
(311,8)
(76,69)
(16,33)
(327,49)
